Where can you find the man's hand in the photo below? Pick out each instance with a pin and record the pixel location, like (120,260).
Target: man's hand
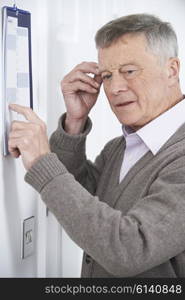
(28,139)
(80,91)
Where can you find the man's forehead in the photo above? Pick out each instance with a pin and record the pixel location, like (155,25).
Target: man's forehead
(112,67)
(129,39)
(129,49)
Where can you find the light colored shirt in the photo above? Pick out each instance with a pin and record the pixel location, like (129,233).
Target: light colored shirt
(151,137)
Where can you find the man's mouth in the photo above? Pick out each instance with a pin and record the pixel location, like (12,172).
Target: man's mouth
(124,103)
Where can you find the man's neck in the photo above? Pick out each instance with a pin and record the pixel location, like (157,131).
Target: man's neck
(175,97)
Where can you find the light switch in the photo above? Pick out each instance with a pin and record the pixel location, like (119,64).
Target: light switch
(28,237)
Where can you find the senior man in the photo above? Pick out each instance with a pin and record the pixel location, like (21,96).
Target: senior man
(127,209)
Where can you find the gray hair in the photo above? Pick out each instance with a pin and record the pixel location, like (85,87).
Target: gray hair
(161,37)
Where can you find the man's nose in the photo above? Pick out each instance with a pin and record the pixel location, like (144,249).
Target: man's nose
(118,84)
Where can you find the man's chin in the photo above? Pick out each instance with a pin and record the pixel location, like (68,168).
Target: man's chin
(130,123)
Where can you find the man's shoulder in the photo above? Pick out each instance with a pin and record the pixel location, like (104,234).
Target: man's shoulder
(177,140)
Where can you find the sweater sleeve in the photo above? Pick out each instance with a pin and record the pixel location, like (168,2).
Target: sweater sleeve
(151,233)
(71,151)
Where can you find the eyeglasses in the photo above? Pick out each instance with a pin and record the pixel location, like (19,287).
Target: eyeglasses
(128,74)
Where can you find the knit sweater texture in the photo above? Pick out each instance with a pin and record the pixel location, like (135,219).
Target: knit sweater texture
(135,228)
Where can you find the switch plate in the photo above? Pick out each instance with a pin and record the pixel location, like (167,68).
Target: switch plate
(28,237)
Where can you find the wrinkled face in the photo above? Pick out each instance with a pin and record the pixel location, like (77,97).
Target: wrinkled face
(135,83)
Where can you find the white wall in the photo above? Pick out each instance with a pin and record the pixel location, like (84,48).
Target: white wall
(62,36)
(71,40)
(19,201)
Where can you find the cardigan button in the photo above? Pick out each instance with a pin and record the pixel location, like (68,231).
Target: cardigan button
(88,259)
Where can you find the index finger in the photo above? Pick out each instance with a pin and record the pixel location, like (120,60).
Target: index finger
(27,112)
(88,67)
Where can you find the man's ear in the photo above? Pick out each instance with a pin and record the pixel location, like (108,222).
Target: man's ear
(173,70)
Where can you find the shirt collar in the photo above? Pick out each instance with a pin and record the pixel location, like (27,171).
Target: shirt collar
(156,133)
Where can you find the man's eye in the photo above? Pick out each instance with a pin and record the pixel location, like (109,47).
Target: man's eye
(129,72)
(104,77)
